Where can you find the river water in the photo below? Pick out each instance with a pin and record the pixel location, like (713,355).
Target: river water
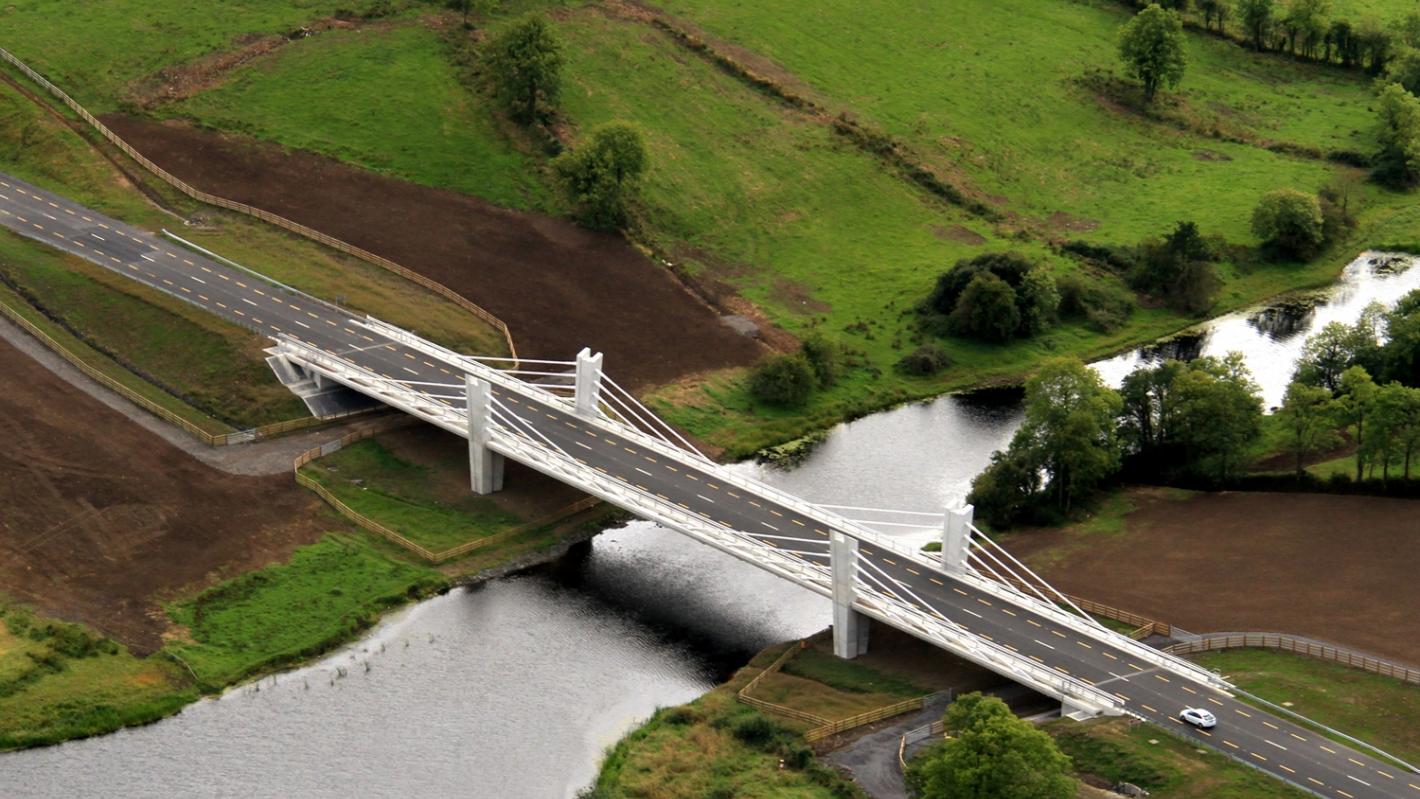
(515,688)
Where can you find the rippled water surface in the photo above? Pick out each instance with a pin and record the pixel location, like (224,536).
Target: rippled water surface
(515,689)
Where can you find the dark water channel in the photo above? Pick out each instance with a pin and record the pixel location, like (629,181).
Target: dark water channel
(514,689)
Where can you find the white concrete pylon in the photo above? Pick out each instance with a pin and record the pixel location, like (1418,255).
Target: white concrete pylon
(956,537)
(485,466)
(589,382)
(850,628)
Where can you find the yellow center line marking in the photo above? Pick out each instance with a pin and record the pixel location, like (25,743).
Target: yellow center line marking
(935,580)
(203,297)
(1085,645)
(697,479)
(185,289)
(1214,701)
(890,562)
(1134,667)
(1354,760)
(959,591)
(1162,678)
(1036,659)
(1146,707)
(1327,749)
(1110,656)
(1298,737)
(911,570)
(1287,769)
(1231,745)
(672,468)
(1186,688)
(1121,696)
(776,513)
(294,307)
(1033,621)
(1345,794)
(1383,774)
(984,602)
(1242,713)
(1316,781)
(262,293)
(796,521)
(1259,757)
(1058,634)
(1270,724)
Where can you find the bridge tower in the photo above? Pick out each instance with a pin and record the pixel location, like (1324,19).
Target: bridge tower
(589,382)
(956,537)
(484,465)
(850,628)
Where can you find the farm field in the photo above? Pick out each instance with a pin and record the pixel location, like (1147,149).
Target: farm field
(1295,584)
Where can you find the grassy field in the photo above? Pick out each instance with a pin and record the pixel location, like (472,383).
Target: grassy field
(378,484)
(1169,768)
(317,96)
(1379,710)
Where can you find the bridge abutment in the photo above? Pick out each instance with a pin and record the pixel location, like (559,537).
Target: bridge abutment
(850,628)
(485,466)
(589,382)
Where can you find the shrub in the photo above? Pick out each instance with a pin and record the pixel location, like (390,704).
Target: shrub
(681,716)
(1010,267)
(524,61)
(798,756)
(1102,308)
(755,730)
(924,361)
(1398,162)
(782,380)
(1289,222)
(825,358)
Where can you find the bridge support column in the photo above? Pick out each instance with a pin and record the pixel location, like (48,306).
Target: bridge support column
(850,628)
(956,537)
(1071,709)
(589,382)
(484,465)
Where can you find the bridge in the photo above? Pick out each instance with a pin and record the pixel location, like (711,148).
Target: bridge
(572,422)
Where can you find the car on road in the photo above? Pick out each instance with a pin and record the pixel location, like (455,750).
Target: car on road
(1199,718)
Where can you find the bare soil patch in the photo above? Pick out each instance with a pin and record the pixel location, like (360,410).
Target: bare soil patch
(958,233)
(558,287)
(102,518)
(1339,568)
(1062,221)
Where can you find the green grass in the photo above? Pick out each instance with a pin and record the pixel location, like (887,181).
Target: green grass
(1379,710)
(48,696)
(1166,766)
(389,100)
(845,675)
(326,594)
(397,494)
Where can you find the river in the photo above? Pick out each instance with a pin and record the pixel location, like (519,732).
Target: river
(515,688)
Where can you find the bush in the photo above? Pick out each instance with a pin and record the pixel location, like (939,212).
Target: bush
(1010,267)
(755,730)
(924,361)
(524,62)
(1101,308)
(682,716)
(601,178)
(1289,222)
(782,380)
(825,359)
(798,756)
(987,309)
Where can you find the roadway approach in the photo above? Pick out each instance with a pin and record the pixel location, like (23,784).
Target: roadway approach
(992,625)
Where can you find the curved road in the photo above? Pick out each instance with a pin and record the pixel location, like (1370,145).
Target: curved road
(1253,736)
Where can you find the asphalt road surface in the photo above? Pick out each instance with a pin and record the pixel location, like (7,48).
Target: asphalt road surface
(1273,744)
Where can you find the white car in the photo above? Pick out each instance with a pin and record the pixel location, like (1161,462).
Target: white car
(1199,718)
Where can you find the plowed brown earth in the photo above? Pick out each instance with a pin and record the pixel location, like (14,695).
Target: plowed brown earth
(558,287)
(100,518)
(1339,568)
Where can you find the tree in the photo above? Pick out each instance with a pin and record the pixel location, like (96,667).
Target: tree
(1151,46)
(1289,222)
(1337,347)
(987,309)
(825,358)
(1149,405)
(1400,357)
(991,754)
(1307,414)
(1009,266)
(1398,161)
(1039,302)
(1305,22)
(1218,413)
(479,7)
(1341,37)
(1374,43)
(602,177)
(783,380)
(1392,424)
(1357,400)
(1069,430)
(1256,18)
(524,62)
(1213,10)
(1006,492)
(1404,69)
(1180,268)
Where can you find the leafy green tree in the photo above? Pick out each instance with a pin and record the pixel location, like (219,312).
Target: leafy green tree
(1213,11)
(524,62)
(1341,38)
(1308,416)
(782,380)
(1039,302)
(1398,161)
(1069,430)
(1305,22)
(1151,46)
(1357,401)
(1400,357)
(825,358)
(987,309)
(1009,266)
(1374,41)
(1405,70)
(1336,348)
(1179,268)
(602,177)
(1149,405)
(1006,492)
(1393,433)
(1218,413)
(1256,18)
(991,754)
(1289,222)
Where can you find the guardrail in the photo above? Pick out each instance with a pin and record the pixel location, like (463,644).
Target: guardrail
(186,425)
(585,503)
(264,215)
(1300,645)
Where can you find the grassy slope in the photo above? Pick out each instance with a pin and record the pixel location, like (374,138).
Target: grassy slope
(317,95)
(375,482)
(1376,709)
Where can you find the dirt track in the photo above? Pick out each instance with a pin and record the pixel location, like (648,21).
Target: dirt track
(101,517)
(1339,568)
(557,286)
